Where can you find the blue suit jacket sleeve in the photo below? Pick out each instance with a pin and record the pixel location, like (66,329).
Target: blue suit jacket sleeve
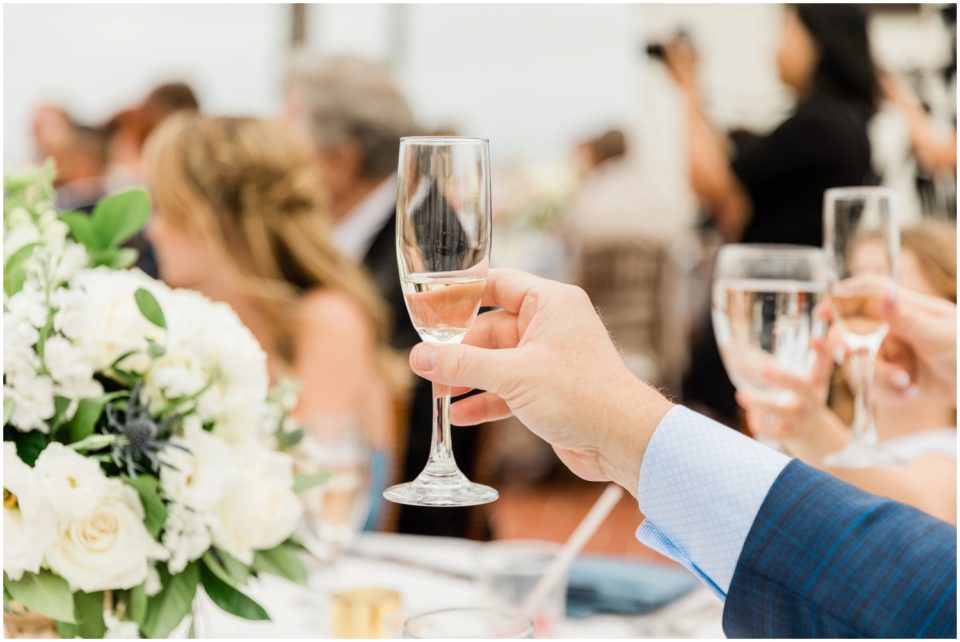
(824,559)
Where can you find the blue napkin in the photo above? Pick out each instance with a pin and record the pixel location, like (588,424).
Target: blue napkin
(606,584)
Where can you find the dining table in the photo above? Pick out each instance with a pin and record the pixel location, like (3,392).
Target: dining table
(428,573)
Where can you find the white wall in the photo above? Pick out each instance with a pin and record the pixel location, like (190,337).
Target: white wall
(97,59)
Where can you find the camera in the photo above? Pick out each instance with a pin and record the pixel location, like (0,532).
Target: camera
(655,50)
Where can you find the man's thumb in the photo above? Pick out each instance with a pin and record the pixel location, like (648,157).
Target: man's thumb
(459,365)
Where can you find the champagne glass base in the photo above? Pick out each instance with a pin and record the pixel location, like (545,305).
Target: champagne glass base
(448,490)
(858,455)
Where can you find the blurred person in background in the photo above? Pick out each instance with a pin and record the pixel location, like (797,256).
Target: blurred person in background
(354,115)
(127,131)
(242,217)
(80,165)
(914,421)
(772,191)
(935,148)
(593,152)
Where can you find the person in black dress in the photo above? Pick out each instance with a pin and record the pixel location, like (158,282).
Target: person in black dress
(772,189)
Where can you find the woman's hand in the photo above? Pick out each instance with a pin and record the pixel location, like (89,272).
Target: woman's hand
(681,60)
(804,425)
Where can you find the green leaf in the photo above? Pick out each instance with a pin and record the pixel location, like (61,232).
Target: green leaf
(44,593)
(94,442)
(30,445)
(237,570)
(124,258)
(60,406)
(7,410)
(229,598)
(303,483)
(155,349)
(149,307)
(81,229)
(166,609)
(67,631)
(88,609)
(85,418)
(281,560)
(119,216)
(14,272)
(153,508)
(137,604)
(289,439)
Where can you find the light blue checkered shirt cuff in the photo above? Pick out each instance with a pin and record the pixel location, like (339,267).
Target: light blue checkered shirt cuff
(701,486)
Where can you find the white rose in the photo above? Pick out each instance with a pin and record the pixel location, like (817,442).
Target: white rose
(118,629)
(111,324)
(109,548)
(29,526)
(229,357)
(73,484)
(260,509)
(178,373)
(199,466)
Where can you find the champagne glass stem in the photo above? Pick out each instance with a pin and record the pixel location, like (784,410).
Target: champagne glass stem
(441,462)
(864,429)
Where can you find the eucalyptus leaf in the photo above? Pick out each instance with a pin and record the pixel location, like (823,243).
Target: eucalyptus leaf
(155,514)
(118,216)
(166,609)
(229,598)
(149,307)
(302,483)
(43,592)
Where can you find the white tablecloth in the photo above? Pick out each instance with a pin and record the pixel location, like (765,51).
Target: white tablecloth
(300,612)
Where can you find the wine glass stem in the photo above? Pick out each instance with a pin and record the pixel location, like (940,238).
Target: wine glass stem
(441,461)
(864,429)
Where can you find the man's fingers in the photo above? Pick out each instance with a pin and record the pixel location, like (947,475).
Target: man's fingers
(508,288)
(462,366)
(495,329)
(479,409)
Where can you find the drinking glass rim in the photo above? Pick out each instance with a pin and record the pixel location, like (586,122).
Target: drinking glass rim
(443,140)
(791,248)
(856,190)
(528,630)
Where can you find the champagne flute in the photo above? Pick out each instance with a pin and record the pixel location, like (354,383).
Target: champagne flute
(765,300)
(443,252)
(862,238)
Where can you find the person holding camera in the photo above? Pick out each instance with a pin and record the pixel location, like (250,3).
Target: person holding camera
(771,191)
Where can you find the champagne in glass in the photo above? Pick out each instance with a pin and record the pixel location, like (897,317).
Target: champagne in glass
(862,240)
(443,253)
(765,313)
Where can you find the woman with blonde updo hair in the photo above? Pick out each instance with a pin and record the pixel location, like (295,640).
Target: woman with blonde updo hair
(241,216)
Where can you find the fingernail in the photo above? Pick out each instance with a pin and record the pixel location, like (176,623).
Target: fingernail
(424,357)
(900,379)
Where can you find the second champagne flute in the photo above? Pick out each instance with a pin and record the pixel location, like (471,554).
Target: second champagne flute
(862,240)
(443,254)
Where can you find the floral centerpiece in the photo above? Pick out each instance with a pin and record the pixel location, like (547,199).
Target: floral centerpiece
(143,452)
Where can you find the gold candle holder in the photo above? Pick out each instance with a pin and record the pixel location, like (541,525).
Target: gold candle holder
(364,613)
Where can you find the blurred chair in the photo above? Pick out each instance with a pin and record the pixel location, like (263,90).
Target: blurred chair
(624,279)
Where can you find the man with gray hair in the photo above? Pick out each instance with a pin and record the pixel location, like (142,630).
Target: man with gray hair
(354,115)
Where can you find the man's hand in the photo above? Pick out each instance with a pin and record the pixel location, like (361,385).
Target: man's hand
(546,358)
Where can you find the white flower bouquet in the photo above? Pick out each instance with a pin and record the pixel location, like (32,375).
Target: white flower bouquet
(143,453)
